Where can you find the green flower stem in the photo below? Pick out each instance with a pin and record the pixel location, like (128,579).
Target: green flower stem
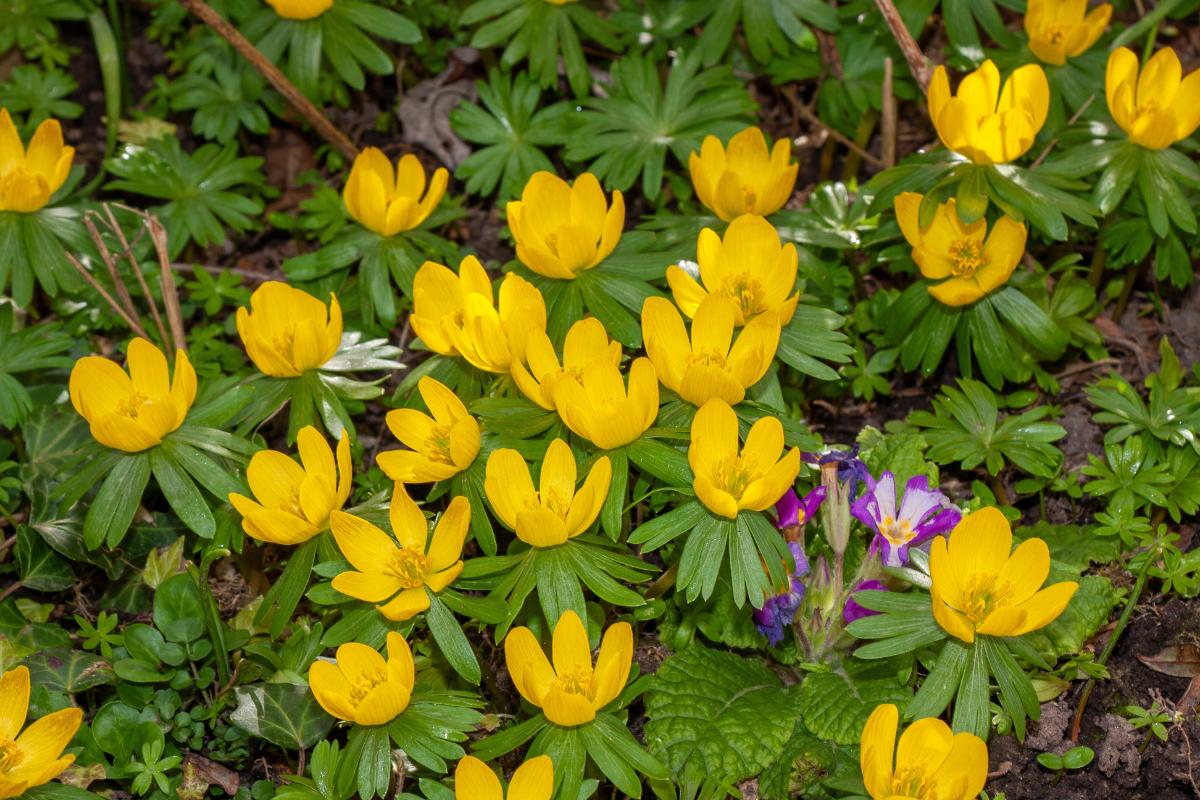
(1134,596)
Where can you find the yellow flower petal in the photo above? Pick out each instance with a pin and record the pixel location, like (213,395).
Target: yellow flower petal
(876,744)
(474,780)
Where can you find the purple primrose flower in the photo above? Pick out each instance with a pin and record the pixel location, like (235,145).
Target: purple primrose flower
(779,611)
(923,513)
(791,511)
(851,469)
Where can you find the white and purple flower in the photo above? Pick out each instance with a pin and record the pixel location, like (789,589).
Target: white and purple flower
(923,513)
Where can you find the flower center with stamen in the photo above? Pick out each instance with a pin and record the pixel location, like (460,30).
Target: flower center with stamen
(551,501)
(706,358)
(131,404)
(734,475)
(576,680)
(437,445)
(897,531)
(982,594)
(284,342)
(911,781)
(749,197)
(746,292)
(965,258)
(1056,35)
(10,755)
(292,504)
(365,682)
(409,566)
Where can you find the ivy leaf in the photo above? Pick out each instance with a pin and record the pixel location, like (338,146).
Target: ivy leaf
(41,568)
(283,714)
(835,705)
(64,670)
(717,715)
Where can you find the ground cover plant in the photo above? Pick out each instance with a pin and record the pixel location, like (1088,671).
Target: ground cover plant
(676,399)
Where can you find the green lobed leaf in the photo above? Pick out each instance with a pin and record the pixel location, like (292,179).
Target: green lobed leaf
(283,714)
(835,705)
(717,715)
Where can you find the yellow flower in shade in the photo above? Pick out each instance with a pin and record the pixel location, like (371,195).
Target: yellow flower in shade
(399,574)
(554,512)
(287,331)
(457,315)
(442,443)
(1155,106)
(563,229)
(598,406)
(361,687)
(749,267)
(980,588)
(984,123)
(387,200)
(728,480)
(34,756)
(540,371)
(134,411)
(931,762)
(1062,29)
(533,780)
(29,177)
(293,501)
(743,178)
(571,691)
(300,9)
(972,261)
(711,363)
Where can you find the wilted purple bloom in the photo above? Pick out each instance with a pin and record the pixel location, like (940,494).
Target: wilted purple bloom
(853,610)
(851,469)
(923,513)
(791,511)
(779,611)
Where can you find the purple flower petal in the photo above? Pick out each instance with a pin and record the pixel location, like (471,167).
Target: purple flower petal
(853,610)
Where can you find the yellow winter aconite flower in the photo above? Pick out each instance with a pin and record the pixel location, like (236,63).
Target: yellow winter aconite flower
(442,443)
(134,411)
(728,480)
(743,178)
(710,363)
(931,762)
(533,780)
(598,406)
(1062,29)
(554,512)
(980,588)
(387,200)
(563,229)
(457,315)
(29,177)
(287,331)
(293,501)
(300,9)
(540,371)
(972,261)
(399,574)
(34,756)
(362,687)
(571,691)
(984,123)
(1155,106)
(749,267)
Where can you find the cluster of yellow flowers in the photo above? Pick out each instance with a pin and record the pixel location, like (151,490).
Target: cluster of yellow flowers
(716,339)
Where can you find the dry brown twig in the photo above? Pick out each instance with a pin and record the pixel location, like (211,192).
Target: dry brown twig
(917,63)
(273,75)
